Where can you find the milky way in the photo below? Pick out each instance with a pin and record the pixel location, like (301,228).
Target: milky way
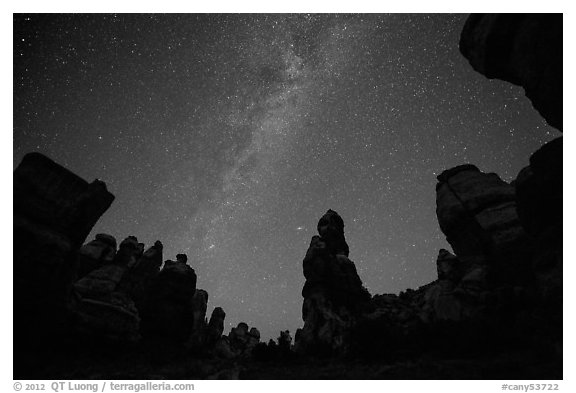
(228,136)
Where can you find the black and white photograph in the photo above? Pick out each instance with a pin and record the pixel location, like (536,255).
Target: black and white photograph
(287,196)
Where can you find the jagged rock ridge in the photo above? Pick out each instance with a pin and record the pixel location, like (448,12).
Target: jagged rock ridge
(95,294)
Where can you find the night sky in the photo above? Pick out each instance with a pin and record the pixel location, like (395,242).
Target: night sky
(228,136)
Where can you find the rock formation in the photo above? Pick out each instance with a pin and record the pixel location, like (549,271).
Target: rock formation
(333,292)
(500,289)
(242,340)
(524,49)
(539,199)
(54,210)
(488,295)
(93,295)
(139,278)
(477,213)
(285,340)
(169,310)
(215,326)
(100,251)
(104,309)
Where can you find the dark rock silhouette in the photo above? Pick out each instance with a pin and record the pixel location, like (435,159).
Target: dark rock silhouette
(170,304)
(200,303)
(524,49)
(281,350)
(139,278)
(449,267)
(488,297)
(331,229)
(243,340)
(333,292)
(198,337)
(91,298)
(539,189)
(539,200)
(101,282)
(477,212)
(215,326)
(285,340)
(54,210)
(100,251)
(103,309)
(501,289)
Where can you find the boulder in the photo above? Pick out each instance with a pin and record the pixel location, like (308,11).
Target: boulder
(523,49)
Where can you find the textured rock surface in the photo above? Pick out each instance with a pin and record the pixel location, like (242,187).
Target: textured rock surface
(54,210)
(477,213)
(104,308)
(115,318)
(524,49)
(101,282)
(502,288)
(486,297)
(333,292)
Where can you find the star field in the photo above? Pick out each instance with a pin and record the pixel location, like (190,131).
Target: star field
(228,136)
